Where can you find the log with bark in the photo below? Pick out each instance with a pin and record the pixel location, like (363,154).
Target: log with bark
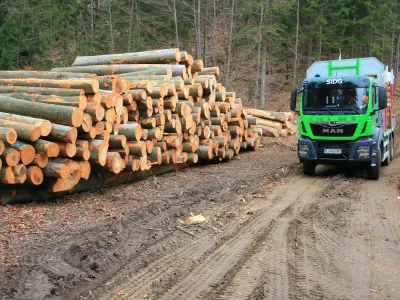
(154,108)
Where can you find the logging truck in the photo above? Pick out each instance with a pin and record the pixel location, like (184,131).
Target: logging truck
(346,115)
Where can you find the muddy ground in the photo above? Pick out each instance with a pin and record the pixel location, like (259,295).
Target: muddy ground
(272,233)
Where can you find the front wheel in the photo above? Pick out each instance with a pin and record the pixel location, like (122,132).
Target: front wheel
(373,171)
(309,168)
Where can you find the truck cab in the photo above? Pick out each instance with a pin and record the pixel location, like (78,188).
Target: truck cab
(346,117)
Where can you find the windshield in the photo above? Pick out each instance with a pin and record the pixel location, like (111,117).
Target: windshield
(336,98)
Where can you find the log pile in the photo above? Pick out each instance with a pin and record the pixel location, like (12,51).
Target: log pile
(116,114)
(271,123)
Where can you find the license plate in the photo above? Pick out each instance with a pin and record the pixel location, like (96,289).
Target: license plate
(333,151)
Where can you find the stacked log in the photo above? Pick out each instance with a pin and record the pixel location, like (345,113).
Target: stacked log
(116,114)
(272,123)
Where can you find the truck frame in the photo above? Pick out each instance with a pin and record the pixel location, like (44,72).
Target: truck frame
(346,115)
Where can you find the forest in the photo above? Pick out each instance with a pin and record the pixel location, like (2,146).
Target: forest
(263,47)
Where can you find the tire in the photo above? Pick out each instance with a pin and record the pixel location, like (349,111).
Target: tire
(386,162)
(373,172)
(309,168)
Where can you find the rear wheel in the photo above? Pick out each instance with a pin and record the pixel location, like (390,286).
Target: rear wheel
(373,171)
(309,168)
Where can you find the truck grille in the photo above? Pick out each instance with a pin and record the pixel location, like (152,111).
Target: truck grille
(333,145)
(333,128)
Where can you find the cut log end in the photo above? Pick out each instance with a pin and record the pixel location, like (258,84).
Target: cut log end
(34,175)
(77,117)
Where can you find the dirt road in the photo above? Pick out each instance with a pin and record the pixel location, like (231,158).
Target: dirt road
(329,237)
(272,233)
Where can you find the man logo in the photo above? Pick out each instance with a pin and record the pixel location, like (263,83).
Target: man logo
(332,130)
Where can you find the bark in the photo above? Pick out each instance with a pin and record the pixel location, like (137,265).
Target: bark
(146,57)
(44,75)
(75,101)
(41,160)
(64,115)
(132,130)
(96,111)
(44,125)
(89,85)
(49,148)
(67,149)
(82,153)
(149,72)
(26,132)
(60,92)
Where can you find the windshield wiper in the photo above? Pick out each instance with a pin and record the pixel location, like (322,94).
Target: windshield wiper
(352,108)
(319,109)
(328,110)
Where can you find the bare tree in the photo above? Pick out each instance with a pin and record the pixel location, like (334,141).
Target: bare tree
(214,33)
(297,44)
(264,76)
(255,102)
(176,25)
(199,26)
(196,14)
(130,25)
(111,27)
(230,44)
(397,64)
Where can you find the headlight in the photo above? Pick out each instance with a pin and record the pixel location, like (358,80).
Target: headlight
(304,151)
(363,152)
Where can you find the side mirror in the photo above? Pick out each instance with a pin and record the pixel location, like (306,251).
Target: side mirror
(382,98)
(293,98)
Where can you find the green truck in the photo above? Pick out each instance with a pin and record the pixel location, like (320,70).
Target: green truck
(346,115)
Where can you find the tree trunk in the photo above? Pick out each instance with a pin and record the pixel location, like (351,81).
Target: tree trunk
(26,132)
(75,101)
(64,115)
(280,117)
(44,125)
(89,85)
(264,76)
(271,124)
(230,45)
(320,29)
(297,43)
(255,100)
(146,57)
(176,25)
(49,148)
(42,91)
